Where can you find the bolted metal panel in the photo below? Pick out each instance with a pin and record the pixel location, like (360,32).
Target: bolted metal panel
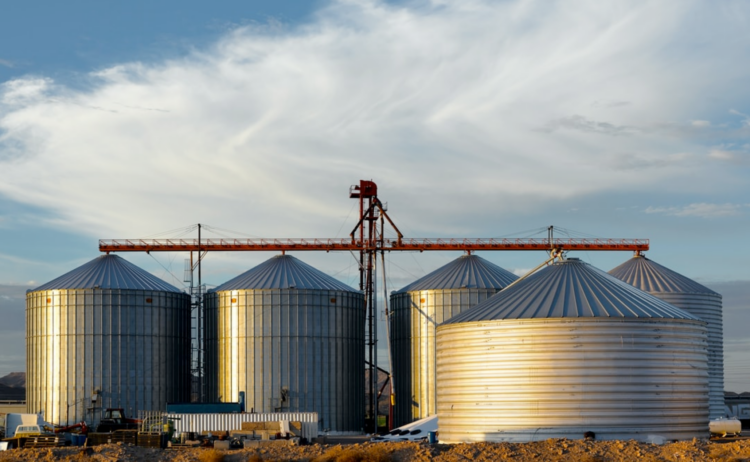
(708,307)
(533,379)
(289,350)
(132,346)
(692,297)
(415,312)
(414,317)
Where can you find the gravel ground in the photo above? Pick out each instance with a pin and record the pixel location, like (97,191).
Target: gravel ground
(549,450)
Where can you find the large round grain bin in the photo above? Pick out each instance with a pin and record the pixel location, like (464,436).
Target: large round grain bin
(571,350)
(416,310)
(692,297)
(106,335)
(292,338)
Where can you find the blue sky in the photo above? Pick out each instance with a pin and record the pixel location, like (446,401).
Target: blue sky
(477,119)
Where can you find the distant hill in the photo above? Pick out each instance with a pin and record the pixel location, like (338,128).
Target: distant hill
(14,379)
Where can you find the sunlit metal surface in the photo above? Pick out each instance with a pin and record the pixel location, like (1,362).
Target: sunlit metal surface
(89,349)
(529,380)
(572,349)
(289,349)
(415,312)
(692,297)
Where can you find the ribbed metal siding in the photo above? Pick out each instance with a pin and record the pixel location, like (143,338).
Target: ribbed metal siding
(708,307)
(309,341)
(528,380)
(692,297)
(413,320)
(225,422)
(136,351)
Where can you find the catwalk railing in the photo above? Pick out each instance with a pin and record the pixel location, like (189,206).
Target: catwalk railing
(347,244)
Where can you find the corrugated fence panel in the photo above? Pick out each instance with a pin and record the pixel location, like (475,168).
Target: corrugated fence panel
(226,422)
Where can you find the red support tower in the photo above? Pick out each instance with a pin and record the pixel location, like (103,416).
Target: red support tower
(367,192)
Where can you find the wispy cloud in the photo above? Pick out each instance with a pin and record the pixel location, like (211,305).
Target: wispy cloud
(6,63)
(691,129)
(721,154)
(644,162)
(271,123)
(610,104)
(700,209)
(577,122)
(743,115)
(731,153)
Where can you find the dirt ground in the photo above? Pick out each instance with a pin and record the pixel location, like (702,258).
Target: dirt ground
(549,450)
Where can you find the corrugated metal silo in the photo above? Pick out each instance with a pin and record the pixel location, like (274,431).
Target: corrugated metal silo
(692,297)
(415,312)
(292,338)
(106,335)
(568,350)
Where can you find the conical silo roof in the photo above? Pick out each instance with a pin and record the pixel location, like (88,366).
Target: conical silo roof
(652,277)
(465,272)
(108,272)
(284,272)
(571,289)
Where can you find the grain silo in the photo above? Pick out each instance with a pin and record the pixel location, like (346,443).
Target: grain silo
(692,297)
(106,335)
(292,338)
(570,350)
(416,310)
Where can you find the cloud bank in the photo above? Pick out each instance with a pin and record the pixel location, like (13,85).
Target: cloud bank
(463,104)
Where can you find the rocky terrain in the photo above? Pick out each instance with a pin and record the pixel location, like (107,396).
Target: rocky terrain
(549,450)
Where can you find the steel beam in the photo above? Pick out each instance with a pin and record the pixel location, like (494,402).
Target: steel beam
(346,244)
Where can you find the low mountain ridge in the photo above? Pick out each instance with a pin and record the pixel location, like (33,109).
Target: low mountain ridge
(14,380)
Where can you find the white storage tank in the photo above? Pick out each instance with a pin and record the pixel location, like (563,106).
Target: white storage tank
(571,350)
(106,335)
(692,297)
(292,338)
(416,310)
